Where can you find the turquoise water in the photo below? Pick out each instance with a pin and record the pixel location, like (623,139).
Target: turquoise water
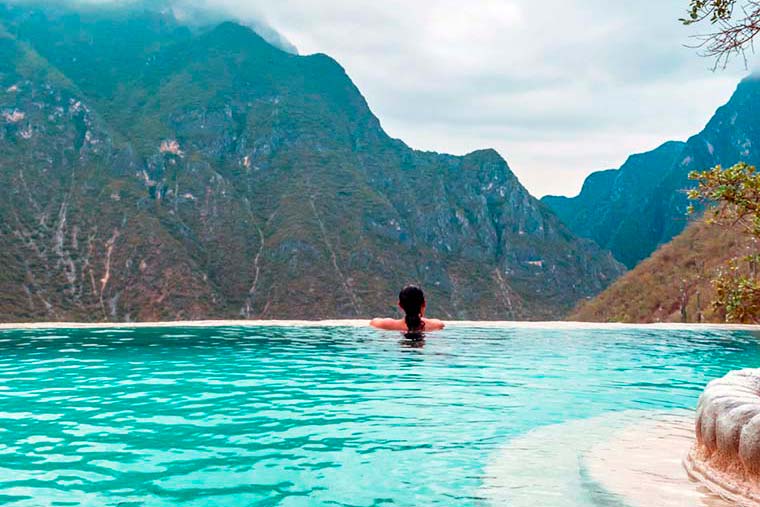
(305,416)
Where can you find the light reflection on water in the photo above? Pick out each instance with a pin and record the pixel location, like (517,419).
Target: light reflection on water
(307,416)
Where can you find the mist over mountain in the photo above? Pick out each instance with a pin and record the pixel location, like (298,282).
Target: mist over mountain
(190,13)
(634,209)
(152,170)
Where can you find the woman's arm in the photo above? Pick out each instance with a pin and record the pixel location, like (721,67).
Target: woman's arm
(387,324)
(400,325)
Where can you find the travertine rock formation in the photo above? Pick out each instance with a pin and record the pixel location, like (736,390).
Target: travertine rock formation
(726,453)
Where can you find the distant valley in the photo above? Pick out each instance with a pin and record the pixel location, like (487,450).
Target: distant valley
(634,209)
(639,213)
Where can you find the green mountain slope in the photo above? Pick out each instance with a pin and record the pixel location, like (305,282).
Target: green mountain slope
(672,285)
(152,171)
(633,210)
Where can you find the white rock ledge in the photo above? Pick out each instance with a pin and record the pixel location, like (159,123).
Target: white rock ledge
(726,452)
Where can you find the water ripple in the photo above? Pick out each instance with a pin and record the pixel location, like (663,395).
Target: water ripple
(312,416)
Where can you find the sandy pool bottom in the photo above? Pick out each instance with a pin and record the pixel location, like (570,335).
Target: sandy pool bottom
(631,458)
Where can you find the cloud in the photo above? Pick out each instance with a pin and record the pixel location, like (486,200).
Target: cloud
(559,87)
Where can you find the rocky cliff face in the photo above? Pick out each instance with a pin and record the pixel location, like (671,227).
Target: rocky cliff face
(633,210)
(149,171)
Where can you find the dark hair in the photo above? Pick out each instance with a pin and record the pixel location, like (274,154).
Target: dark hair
(411,299)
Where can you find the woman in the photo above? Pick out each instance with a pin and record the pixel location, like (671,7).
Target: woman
(412,300)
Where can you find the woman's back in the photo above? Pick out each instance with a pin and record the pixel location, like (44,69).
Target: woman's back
(411,300)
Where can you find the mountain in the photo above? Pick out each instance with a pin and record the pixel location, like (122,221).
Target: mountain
(674,284)
(608,209)
(634,209)
(150,170)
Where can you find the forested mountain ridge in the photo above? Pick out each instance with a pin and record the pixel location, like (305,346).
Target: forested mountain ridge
(153,171)
(675,283)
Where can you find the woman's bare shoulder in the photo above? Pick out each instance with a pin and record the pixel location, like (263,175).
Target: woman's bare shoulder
(434,324)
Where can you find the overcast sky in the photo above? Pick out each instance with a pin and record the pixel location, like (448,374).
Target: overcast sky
(559,87)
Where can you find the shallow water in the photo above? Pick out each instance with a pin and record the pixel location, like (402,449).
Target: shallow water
(312,416)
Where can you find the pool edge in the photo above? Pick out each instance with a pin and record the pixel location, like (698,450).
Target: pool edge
(364,323)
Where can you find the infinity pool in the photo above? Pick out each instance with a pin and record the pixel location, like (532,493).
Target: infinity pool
(320,416)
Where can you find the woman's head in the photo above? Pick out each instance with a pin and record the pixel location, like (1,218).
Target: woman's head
(411,299)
